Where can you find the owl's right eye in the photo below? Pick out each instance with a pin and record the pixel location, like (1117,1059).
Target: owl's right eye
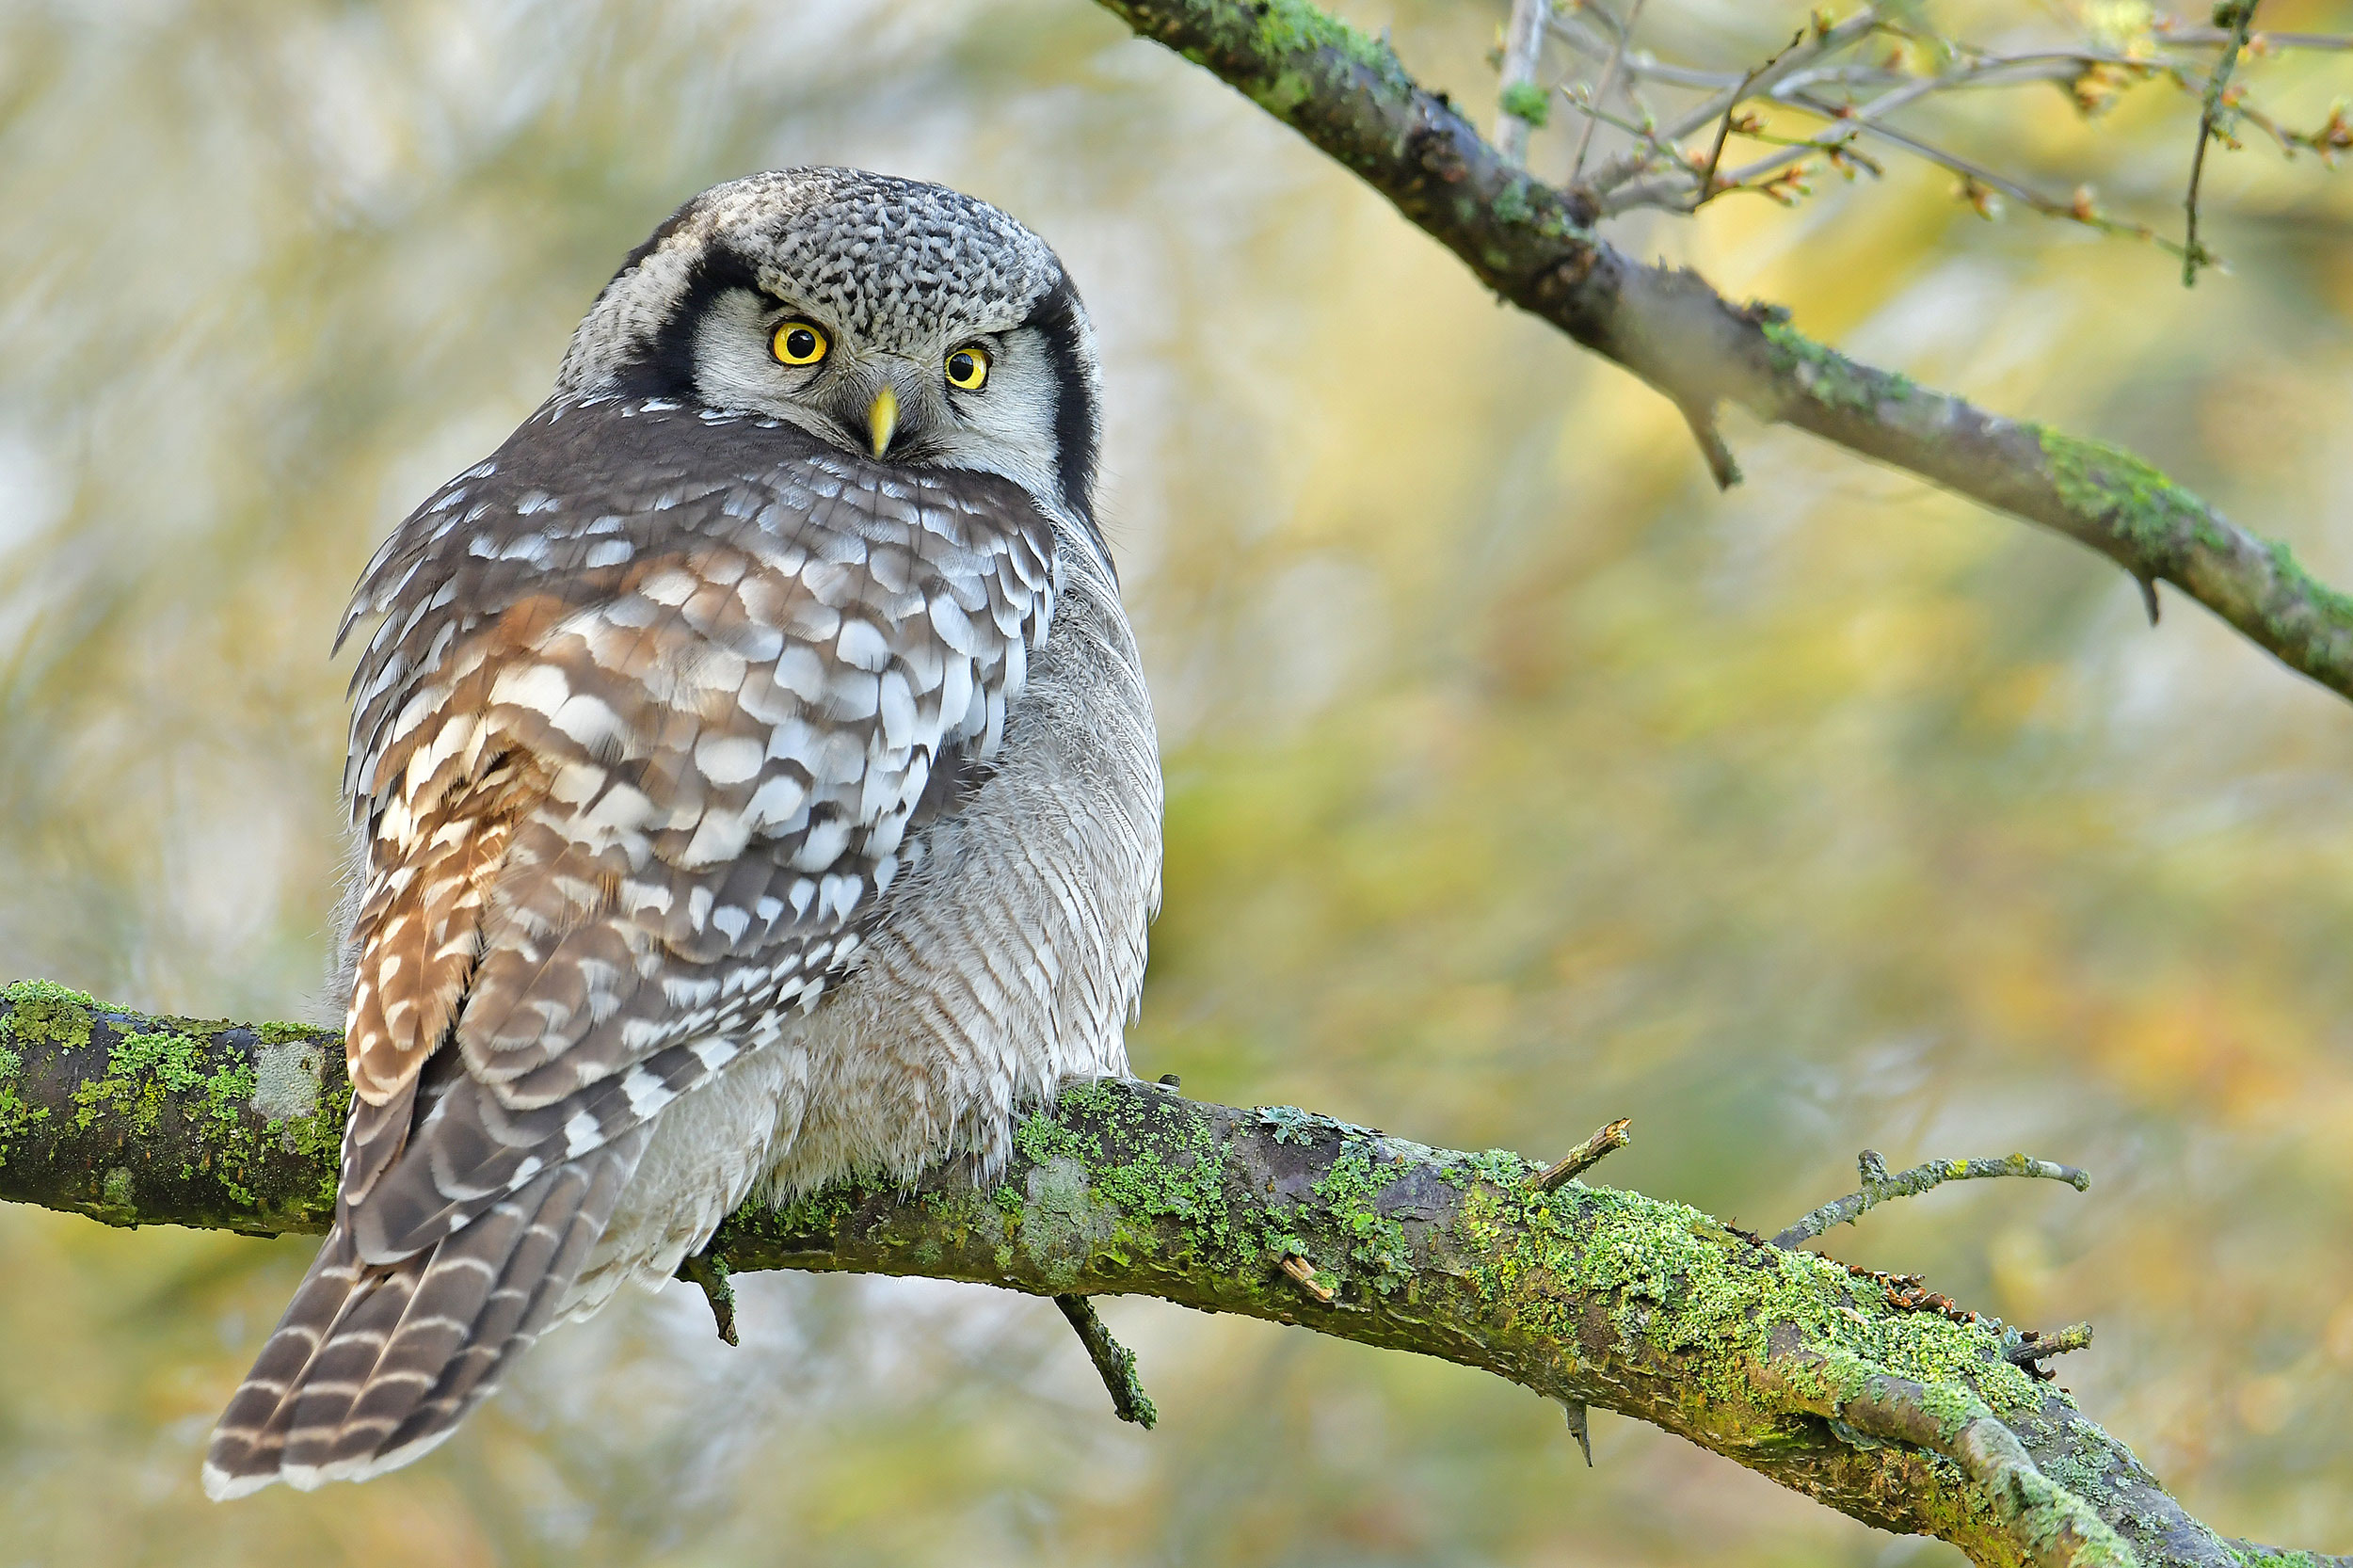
(798,343)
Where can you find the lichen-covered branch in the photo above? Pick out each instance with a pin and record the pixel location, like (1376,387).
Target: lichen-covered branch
(1535,245)
(1794,1366)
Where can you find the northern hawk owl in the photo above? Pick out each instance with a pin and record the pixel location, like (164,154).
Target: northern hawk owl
(757,786)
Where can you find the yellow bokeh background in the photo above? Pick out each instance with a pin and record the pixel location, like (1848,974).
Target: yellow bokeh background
(1517,779)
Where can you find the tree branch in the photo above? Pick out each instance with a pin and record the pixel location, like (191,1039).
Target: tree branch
(1535,245)
(1912,1420)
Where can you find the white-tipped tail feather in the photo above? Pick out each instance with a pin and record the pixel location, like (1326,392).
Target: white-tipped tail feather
(374,1365)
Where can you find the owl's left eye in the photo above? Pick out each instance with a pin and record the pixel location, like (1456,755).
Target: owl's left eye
(967,368)
(798,343)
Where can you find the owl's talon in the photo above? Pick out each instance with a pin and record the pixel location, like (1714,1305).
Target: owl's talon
(711,1272)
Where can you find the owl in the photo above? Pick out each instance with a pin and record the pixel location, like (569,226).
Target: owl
(755,786)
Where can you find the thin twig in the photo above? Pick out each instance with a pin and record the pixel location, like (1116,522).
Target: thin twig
(2194,37)
(1603,84)
(1581,1428)
(1588,1154)
(1878,1187)
(1732,106)
(2033,1346)
(1114,1360)
(1722,466)
(1523,41)
(2217,85)
(2076,211)
(710,1271)
(1302,1273)
(1856,27)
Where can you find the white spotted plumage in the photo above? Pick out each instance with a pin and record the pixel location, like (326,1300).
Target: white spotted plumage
(737,803)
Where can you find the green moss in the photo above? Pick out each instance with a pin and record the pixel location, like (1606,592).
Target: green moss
(1292,27)
(113,1199)
(2294,580)
(2161,521)
(1290,33)
(2106,483)
(1529,102)
(1827,375)
(41,1011)
(280,1035)
(818,1213)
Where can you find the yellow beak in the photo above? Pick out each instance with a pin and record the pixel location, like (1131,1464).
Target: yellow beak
(882,419)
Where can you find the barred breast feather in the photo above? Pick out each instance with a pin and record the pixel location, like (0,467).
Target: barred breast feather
(663,705)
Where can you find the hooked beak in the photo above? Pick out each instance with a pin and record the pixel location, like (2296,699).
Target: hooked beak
(882,419)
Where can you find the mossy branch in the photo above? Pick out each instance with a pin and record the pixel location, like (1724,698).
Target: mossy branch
(1535,245)
(1790,1363)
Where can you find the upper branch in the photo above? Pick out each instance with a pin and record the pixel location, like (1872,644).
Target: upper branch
(1824,1380)
(1535,245)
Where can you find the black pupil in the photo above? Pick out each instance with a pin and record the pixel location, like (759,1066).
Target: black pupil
(800,343)
(961,367)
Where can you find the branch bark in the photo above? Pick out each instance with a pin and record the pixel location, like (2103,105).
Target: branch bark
(1787,1362)
(1535,245)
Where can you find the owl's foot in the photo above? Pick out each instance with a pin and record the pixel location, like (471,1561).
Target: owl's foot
(1114,1361)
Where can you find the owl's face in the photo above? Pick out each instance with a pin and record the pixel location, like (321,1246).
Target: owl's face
(900,321)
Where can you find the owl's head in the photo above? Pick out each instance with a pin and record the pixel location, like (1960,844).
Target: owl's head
(902,321)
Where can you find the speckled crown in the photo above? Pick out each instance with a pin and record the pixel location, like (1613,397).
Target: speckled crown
(894,261)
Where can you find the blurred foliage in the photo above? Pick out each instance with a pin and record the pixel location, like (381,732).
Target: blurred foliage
(1518,781)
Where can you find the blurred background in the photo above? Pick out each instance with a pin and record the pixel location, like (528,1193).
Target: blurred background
(1517,779)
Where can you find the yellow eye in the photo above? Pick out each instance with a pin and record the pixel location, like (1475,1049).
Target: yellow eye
(799,343)
(967,368)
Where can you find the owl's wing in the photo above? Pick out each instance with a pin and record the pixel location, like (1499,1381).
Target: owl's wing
(656,697)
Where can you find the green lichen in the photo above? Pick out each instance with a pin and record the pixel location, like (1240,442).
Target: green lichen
(41,1011)
(16,1113)
(1375,1242)
(1151,1160)
(1529,102)
(1290,1124)
(143,1071)
(1827,375)
(1681,1283)
(174,1074)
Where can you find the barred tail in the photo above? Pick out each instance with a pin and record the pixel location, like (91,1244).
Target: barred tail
(374,1363)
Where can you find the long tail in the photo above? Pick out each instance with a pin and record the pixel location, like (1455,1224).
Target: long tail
(374,1363)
